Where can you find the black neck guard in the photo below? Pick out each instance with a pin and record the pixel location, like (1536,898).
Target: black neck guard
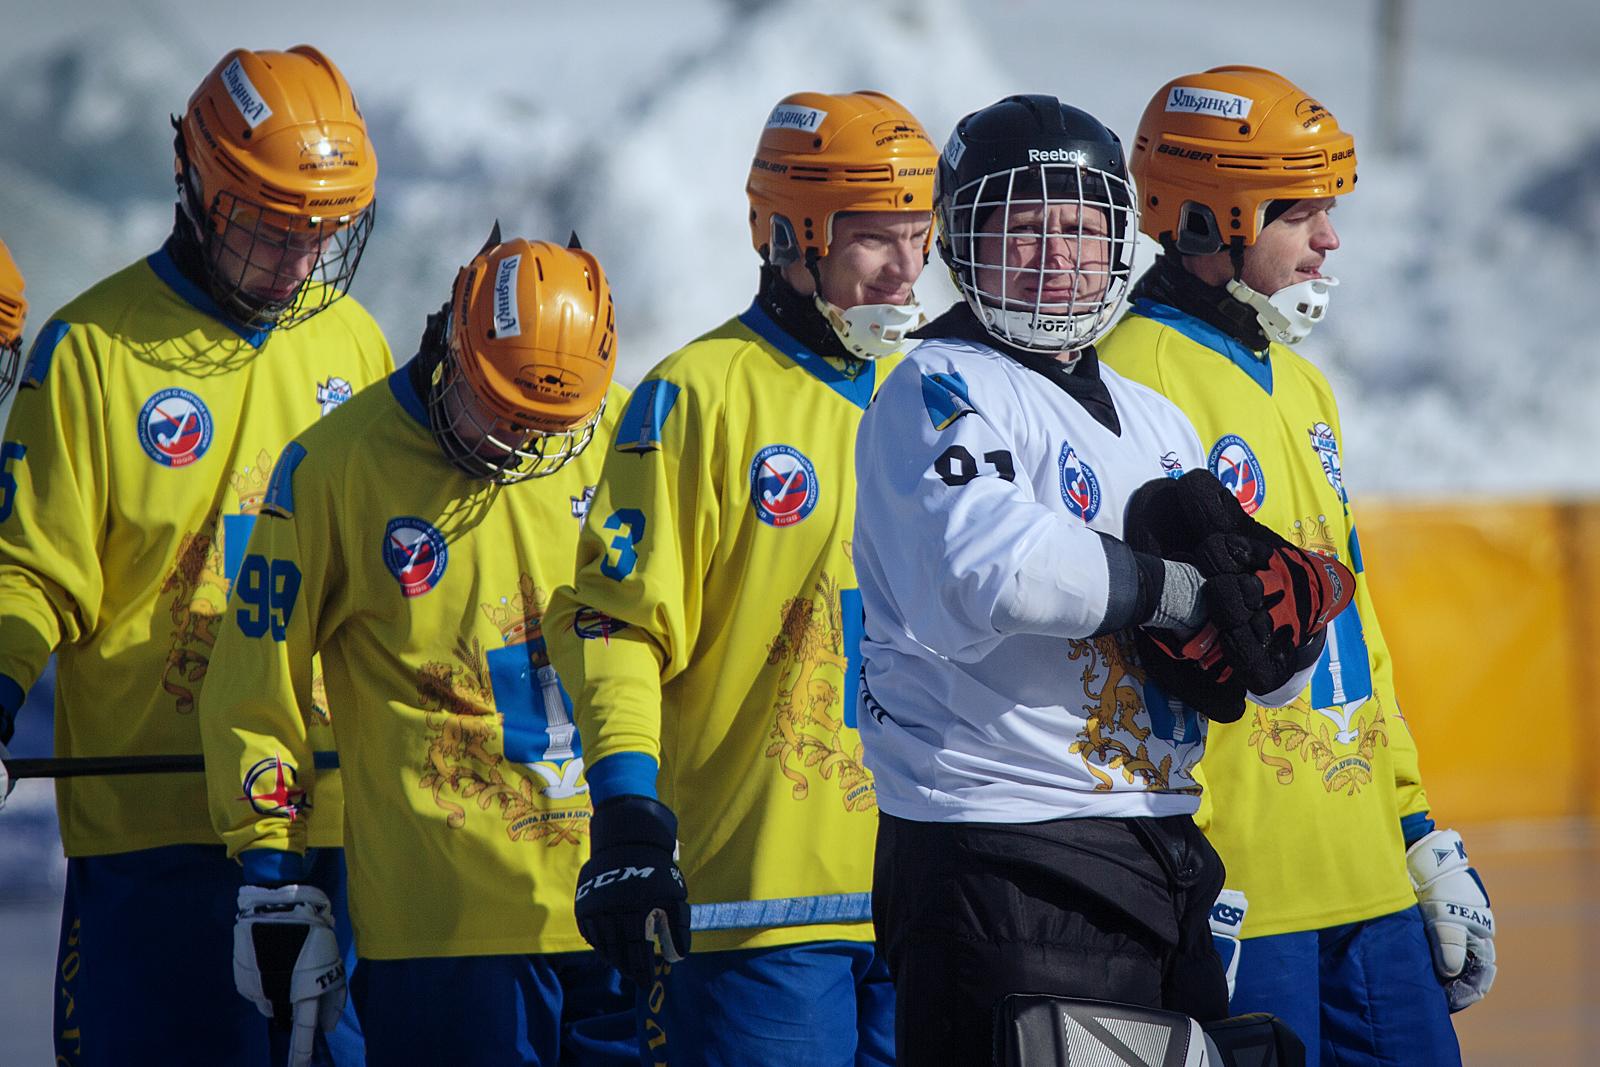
(799,318)
(1169,282)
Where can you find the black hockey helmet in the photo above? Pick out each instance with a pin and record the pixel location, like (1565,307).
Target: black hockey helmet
(1010,172)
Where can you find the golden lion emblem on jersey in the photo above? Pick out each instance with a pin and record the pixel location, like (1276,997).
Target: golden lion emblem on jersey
(808,732)
(1113,739)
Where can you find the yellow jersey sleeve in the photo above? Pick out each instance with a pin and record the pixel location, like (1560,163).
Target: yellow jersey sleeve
(54,467)
(255,710)
(633,615)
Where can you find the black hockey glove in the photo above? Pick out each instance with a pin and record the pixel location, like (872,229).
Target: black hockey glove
(1268,600)
(1270,603)
(631,894)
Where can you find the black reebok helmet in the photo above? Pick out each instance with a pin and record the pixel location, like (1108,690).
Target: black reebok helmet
(1037,221)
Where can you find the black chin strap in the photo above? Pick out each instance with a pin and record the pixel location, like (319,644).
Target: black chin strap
(1169,282)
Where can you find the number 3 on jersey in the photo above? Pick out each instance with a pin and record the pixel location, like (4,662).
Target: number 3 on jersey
(629,524)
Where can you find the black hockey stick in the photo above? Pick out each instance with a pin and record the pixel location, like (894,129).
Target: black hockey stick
(78,766)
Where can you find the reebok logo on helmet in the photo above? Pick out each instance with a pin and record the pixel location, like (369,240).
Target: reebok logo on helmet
(245,96)
(1196,101)
(791,117)
(1058,155)
(507,320)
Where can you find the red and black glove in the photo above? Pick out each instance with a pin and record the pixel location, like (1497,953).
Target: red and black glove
(1270,602)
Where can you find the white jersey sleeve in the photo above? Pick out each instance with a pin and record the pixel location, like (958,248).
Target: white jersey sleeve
(969,552)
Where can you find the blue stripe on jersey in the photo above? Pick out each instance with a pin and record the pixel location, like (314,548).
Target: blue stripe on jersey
(1355,551)
(162,263)
(404,392)
(946,397)
(279,500)
(640,429)
(622,774)
(325,761)
(784,911)
(857,390)
(42,353)
(1259,368)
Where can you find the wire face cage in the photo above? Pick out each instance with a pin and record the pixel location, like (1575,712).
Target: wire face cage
(1044,253)
(269,269)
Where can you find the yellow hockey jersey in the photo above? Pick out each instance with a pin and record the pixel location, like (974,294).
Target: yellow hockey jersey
(466,810)
(135,460)
(715,625)
(1303,802)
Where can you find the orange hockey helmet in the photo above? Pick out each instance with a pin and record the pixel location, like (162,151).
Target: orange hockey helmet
(824,153)
(527,354)
(1214,149)
(13,310)
(277,175)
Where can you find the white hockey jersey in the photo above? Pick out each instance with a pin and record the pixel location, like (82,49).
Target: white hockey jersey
(989,504)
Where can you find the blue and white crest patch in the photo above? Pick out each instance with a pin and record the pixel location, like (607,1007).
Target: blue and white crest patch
(1327,449)
(1080,488)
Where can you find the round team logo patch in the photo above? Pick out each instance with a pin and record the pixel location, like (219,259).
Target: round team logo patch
(1080,489)
(175,427)
(1237,468)
(415,553)
(783,485)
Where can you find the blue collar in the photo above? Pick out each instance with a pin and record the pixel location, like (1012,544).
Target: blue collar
(166,269)
(857,390)
(1258,368)
(406,394)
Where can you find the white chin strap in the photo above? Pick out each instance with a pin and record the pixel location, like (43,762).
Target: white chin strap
(872,330)
(1288,315)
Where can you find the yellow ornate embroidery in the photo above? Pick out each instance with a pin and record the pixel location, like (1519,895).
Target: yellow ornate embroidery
(806,735)
(1284,736)
(466,731)
(1112,713)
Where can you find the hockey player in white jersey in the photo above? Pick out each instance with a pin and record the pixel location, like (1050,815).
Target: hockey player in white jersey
(1034,780)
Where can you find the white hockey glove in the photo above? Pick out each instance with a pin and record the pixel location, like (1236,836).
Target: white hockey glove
(286,960)
(1455,909)
(1227,920)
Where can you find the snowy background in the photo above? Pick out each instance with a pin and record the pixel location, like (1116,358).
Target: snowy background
(1456,338)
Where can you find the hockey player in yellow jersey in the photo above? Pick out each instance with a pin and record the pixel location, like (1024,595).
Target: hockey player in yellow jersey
(413,540)
(711,641)
(150,411)
(1350,899)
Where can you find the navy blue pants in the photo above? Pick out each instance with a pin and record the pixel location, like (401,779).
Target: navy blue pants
(145,963)
(820,1004)
(1359,995)
(565,1008)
